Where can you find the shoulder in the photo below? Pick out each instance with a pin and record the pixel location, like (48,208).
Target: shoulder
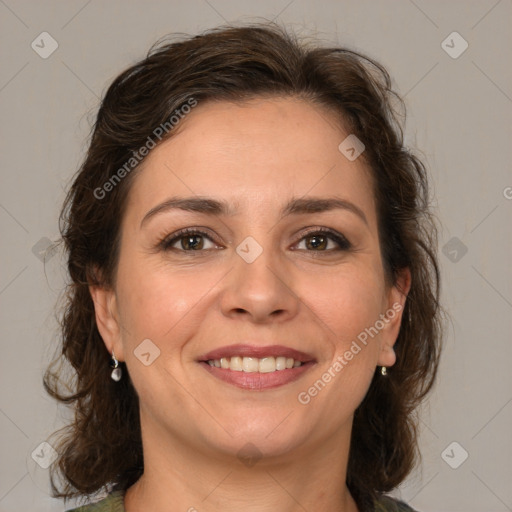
(389,504)
(114,502)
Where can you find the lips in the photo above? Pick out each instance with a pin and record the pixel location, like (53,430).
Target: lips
(252,367)
(257,352)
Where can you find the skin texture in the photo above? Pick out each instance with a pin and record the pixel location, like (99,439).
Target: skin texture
(256,156)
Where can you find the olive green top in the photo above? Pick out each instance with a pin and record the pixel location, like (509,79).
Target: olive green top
(114,502)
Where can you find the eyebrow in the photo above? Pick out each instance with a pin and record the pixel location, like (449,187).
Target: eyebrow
(295,206)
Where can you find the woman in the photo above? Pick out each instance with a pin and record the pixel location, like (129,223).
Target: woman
(250,246)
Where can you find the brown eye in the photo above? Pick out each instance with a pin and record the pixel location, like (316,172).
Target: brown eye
(318,241)
(192,242)
(187,240)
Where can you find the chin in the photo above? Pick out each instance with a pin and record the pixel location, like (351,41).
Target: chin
(263,434)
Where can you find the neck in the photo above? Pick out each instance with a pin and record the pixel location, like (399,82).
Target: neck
(178,475)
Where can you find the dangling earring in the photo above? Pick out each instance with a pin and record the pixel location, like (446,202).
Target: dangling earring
(383,370)
(117,372)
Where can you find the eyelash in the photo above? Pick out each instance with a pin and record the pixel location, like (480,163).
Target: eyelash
(343,243)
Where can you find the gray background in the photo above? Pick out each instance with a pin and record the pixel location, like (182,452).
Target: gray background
(460,112)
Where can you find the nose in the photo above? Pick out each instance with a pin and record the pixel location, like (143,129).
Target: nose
(261,290)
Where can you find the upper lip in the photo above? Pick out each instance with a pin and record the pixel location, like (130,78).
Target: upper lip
(257,351)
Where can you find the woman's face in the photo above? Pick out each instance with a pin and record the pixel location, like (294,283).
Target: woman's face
(260,281)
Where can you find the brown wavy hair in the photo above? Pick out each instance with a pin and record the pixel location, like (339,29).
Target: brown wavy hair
(102,447)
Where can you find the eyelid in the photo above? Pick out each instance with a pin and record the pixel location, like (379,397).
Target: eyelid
(342,242)
(169,240)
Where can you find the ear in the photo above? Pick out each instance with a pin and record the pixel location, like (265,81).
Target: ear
(392,317)
(107,319)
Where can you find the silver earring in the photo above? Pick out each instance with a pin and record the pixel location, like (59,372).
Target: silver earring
(383,371)
(117,372)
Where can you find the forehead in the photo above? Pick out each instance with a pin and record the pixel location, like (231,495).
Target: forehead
(259,152)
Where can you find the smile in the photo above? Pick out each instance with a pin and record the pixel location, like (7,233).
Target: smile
(253,364)
(255,367)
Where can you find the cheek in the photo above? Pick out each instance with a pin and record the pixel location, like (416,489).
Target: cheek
(349,370)
(146,299)
(353,303)
(350,310)
(151,307)
(158,302)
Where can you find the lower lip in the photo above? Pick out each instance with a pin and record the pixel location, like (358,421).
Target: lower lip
(255,380)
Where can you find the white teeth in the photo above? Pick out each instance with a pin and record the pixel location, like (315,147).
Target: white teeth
(235,364)
(253,364)
(267,365)
(280,363)
(250,364)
